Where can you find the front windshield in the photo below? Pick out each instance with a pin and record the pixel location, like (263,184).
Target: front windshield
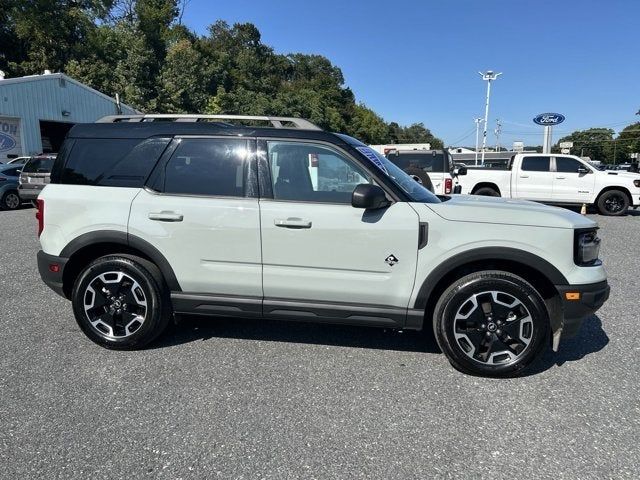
(415,191)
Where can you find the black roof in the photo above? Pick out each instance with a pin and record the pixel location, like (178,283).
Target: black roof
(152,129)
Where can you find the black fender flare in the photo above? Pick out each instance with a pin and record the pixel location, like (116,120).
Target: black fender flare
(486,253)
(128,240)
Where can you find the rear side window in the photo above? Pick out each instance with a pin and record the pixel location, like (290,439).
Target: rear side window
(112,162)
(429,162)
(208,166)
(39,165)
(536,164)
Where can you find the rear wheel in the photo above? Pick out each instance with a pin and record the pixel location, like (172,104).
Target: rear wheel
(487,192)
(420,176)
(613,203)
(121,302)
(10,200)
(491,323)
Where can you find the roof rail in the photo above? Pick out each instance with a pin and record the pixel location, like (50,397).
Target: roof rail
(276,122)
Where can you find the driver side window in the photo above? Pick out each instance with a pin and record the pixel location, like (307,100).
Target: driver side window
(307,172)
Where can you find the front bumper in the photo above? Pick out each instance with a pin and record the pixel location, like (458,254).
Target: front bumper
(589,299)
(48,273)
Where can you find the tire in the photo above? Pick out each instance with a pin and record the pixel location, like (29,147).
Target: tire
(495,341)
(10,200)
(420,176)
(121,302)
(613,203)
(487,192)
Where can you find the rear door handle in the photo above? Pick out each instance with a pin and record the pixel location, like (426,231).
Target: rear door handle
(561,178)
(524,176)
(292,222)
(166,216)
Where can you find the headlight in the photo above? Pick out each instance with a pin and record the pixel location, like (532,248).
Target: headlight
(586,248)
(636,183)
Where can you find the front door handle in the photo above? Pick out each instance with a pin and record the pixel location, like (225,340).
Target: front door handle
(166,216)
(292,222)
(561,178)
(524,176)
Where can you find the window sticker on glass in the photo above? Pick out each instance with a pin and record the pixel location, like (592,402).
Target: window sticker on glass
(370,154)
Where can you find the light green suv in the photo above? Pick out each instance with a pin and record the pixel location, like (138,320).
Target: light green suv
(207,215)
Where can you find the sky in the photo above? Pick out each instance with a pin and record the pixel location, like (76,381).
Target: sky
(418,61)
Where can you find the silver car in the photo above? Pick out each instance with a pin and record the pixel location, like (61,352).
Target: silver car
(35,174)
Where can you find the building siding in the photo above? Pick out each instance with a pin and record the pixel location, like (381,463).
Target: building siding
(44,97)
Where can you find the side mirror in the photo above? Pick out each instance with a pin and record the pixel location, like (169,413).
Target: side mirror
(369,197)
(460,170)
(582,170)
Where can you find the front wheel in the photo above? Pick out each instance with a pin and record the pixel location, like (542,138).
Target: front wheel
(613,203)
(491,323)
(121,302)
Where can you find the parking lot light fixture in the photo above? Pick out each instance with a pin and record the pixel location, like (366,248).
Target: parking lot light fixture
(488,76)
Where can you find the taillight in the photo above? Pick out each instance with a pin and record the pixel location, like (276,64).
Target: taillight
(448,184)
(40,216)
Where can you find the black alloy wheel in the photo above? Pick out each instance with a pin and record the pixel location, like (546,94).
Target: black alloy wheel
(613,203)
(121,302)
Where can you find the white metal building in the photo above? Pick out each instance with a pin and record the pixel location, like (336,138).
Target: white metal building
(37,111)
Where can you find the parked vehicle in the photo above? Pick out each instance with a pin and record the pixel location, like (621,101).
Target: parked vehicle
(144,219)
(556,179)
(18,161)
(36,173)
(9,198)
(431,168)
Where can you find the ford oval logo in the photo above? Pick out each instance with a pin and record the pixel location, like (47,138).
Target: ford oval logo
(549,119)
(6,142)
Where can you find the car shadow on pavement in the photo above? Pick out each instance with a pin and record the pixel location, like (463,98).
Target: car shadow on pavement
(590,339)
(193,328)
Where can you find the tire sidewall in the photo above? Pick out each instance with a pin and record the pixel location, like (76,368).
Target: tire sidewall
(423,176)
(154,322)
(3,201)
(603,198)
(487,192)
(460,292)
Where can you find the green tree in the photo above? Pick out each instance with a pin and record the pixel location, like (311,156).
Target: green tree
(368,126)
(414,133)
(595,143)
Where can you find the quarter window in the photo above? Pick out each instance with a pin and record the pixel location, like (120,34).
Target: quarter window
(312,173)
(536,164)
(208,166)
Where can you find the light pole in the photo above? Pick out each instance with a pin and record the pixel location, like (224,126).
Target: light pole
(478,122)
(498,131)
(489,76)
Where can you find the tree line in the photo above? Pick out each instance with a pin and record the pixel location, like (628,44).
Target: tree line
(141,50)
(603,144)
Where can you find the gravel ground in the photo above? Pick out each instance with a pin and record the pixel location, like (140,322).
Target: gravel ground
(255,399)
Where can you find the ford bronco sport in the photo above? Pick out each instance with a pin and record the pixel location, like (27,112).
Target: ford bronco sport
(153,215)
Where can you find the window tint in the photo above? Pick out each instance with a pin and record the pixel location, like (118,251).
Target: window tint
(39,165)
(567,165)
(430,162)
(312,173)
(208,166)
(112,162)
(536,164)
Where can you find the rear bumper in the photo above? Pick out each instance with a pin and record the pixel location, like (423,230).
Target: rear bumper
(29,193)
(591,297)
(47,271)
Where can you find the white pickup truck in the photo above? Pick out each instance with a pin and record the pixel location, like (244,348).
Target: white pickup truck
(556,179)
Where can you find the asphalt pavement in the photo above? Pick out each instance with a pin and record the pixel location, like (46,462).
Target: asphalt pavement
(267,400)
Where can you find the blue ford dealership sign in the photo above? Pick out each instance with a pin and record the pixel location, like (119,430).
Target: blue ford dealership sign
(549,119)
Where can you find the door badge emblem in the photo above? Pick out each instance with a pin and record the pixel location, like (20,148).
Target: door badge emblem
(391,260)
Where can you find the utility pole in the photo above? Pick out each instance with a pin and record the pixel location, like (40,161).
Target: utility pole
(498,130)
(488,76)
(478,122)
